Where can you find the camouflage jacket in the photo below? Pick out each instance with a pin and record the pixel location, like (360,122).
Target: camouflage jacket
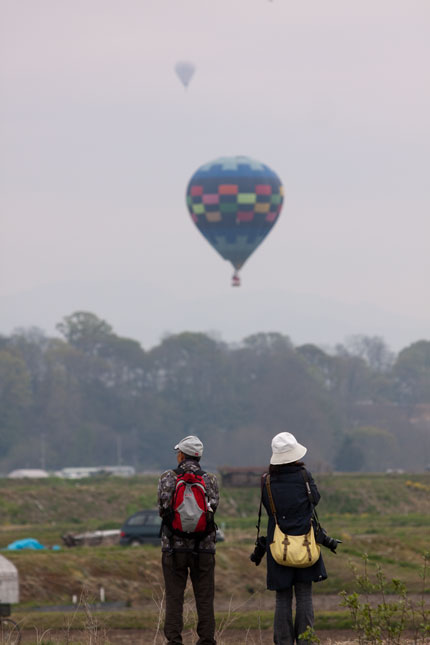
(166,488)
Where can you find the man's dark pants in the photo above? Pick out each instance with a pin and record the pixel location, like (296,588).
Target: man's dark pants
(202,572)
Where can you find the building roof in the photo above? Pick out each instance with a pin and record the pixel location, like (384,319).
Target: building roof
(31,473)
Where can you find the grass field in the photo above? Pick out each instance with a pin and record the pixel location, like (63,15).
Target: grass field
(387,517)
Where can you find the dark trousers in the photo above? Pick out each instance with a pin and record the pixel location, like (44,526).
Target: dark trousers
(202,572)
(286,632)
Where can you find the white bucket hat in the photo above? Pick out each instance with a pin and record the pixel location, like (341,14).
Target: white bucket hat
(191,446)
(286,449)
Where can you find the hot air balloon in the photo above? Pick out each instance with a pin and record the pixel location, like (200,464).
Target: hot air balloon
(185,71)
(234,202)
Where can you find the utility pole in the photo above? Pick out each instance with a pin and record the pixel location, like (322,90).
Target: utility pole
(119,450)
(135,446)
(42,451)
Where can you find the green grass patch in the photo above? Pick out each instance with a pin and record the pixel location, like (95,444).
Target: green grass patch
(131,619)
(389,522)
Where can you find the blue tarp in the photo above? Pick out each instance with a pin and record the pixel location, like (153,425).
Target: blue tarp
(26,543)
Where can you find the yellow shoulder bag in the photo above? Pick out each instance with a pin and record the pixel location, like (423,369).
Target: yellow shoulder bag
(298,551)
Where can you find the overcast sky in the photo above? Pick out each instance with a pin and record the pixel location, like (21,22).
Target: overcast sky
(99,139)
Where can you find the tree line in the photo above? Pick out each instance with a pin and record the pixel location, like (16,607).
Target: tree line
(91,397)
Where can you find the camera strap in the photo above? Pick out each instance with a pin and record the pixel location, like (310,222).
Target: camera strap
(263,477)
(310,496)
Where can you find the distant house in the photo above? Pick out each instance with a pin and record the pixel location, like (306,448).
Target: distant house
(81,472)
(421,412)
(28,473)
(241,476)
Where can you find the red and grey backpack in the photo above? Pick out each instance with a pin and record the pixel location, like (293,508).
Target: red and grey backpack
(189,515)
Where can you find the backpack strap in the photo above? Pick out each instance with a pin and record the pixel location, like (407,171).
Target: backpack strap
(180,471)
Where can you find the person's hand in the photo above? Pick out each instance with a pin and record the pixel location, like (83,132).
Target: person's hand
(334,546)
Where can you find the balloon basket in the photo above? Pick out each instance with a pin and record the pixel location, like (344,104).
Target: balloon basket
(235,281)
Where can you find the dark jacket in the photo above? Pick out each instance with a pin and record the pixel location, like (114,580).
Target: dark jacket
(294,513)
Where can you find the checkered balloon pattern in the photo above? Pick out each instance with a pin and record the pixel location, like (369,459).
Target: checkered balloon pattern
(234,202)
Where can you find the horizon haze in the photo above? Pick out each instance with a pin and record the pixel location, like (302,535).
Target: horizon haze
(99,139)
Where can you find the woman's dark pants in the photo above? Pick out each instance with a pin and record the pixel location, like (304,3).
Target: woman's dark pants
(202,572)
(287,631)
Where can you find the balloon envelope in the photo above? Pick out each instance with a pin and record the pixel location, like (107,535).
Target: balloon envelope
(185,71)
(235,202)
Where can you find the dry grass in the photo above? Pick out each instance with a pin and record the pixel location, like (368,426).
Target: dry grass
(356,508)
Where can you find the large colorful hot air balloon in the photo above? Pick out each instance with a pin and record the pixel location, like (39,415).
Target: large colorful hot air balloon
(234,202)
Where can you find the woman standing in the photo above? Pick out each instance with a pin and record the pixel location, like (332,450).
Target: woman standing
(294,513)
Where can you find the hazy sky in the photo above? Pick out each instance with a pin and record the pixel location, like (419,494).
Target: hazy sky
(99,139)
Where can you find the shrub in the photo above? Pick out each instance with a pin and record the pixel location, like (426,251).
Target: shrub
(387,621)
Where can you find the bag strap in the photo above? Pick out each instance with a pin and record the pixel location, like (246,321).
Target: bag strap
(271,502)
(265,481)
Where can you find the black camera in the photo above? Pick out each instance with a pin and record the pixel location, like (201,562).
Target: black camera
(259,551)
(323,538)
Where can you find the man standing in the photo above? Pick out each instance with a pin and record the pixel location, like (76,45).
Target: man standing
(182,554)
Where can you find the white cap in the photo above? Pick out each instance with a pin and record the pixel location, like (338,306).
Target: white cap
(286,449)
(191,446)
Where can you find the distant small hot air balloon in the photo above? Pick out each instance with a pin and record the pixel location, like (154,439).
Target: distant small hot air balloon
(185,70)
(235,202)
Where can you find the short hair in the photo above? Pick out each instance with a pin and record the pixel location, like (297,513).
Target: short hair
(191,457)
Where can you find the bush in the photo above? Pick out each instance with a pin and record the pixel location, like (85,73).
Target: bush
(387,621)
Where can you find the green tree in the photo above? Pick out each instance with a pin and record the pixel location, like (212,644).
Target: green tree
(85,331)
(373,350)
(379,447)
(350,456)
(15,397)
(412,370)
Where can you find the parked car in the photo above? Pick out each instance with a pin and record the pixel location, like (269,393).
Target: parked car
(144,528)
(141,528)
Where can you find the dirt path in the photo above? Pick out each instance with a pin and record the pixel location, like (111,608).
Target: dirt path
(322,602)
(148,637)
(143,637)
